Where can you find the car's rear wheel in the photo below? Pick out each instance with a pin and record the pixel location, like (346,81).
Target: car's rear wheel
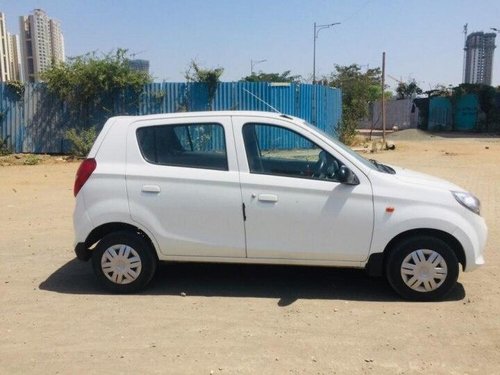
(124,262)
(422,268)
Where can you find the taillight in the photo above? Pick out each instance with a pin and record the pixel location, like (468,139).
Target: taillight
(82,175)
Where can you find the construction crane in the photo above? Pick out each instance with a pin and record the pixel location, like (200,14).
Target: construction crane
(132,55)
(395,79)
(410,80)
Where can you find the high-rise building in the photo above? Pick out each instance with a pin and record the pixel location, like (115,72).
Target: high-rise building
(479,48)
(4,51)
(14,57)
(56,40)
(10,59)
(139,65)
(42,44)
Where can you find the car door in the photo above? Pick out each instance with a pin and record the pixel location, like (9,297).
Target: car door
(183,185)
(295,208)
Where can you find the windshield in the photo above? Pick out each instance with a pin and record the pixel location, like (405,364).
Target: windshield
(342,146)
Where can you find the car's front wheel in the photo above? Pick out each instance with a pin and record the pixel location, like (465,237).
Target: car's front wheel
(422,268)
(124,262)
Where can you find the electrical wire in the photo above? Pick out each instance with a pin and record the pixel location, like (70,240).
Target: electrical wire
(357,11)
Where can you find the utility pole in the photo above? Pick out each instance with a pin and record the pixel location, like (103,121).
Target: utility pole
(253,63)
(383,98)
(317,29)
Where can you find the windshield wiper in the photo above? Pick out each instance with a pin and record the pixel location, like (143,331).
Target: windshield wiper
(382,167)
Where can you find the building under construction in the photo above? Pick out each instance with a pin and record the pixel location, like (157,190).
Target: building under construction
(479,49)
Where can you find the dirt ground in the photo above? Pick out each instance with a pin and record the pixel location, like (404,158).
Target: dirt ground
(233,319)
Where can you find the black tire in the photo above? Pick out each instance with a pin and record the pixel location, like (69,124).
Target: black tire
(435,271)
(124,262)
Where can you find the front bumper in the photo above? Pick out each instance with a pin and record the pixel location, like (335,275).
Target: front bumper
(473,239)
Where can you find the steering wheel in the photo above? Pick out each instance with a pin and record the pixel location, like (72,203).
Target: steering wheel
(321,166)
(326,167)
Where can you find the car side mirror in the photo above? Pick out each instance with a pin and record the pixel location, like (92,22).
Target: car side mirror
(346,176)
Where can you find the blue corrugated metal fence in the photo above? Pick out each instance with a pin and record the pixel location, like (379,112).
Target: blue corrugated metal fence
(37,121)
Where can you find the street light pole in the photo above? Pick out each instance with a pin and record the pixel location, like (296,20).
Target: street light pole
(317,29)
(253,63)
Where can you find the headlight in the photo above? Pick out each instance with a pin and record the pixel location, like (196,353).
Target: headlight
(468,201)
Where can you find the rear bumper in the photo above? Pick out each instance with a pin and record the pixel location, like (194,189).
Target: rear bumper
(82,252)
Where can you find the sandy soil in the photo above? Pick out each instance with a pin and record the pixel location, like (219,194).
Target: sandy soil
(238,319)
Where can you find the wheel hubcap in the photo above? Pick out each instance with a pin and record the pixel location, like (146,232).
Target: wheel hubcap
(121,264)
(424,270)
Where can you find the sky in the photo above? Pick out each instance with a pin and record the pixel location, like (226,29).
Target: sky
(423,40)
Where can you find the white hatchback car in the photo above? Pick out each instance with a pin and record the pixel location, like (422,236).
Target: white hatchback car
(259,187)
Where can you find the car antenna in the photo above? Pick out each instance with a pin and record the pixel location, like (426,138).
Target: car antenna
(260,100)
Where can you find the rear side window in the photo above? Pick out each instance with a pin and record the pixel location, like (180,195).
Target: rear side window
(186,145)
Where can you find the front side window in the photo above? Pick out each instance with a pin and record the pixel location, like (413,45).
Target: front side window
(184,145)
(280,151)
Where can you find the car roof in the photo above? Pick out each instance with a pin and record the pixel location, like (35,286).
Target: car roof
(207,114)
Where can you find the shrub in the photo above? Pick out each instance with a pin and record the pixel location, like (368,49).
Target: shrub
(31,160)
(4,147)
(347,128)
(16,89)
(82,140)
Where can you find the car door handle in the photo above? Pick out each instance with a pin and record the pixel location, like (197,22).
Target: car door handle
(151,188)
(268,198)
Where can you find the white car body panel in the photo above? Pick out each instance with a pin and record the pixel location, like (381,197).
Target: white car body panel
(196,212)
(421,201)
(193,214)
(309,219)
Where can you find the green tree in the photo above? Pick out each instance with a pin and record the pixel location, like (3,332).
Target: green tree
(408,89)
(273,77)
(440,90)
(81,140)
(196,73)
(358,90)
(89,86)
(89,80)
(211,77)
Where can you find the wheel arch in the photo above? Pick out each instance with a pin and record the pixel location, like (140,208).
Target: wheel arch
(377,261)
(103,230)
